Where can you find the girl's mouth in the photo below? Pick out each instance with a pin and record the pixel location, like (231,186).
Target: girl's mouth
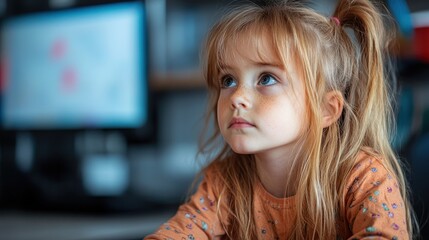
(240,123)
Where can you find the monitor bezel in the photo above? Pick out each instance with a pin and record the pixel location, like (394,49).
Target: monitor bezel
(144,132)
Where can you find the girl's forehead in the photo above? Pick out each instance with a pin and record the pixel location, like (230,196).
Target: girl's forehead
(255,45)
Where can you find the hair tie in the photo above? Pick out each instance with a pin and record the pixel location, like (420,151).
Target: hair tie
(336,20)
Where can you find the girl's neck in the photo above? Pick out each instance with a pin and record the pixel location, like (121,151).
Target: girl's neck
(275,173)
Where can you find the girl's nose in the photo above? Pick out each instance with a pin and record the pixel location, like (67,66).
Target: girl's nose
(240,99)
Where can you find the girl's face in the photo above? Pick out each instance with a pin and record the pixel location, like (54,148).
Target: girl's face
(261,105)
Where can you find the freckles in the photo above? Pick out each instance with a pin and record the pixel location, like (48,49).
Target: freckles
(265,102)
(267,110)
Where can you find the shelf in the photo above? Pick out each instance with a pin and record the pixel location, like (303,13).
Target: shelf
(172,81)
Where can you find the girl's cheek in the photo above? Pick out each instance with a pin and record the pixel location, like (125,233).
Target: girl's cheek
(221,102)
(222,105)
(269,96)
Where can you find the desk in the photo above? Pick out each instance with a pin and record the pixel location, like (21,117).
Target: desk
(35,226)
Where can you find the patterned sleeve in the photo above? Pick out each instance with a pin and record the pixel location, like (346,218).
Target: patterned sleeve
(196,219)
(374,205)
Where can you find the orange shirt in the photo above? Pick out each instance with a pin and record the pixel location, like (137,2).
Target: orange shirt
(375,210)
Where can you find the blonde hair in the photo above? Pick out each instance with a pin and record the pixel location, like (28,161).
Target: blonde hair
(353,62)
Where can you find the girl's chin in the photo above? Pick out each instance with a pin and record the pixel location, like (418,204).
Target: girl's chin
(242,150)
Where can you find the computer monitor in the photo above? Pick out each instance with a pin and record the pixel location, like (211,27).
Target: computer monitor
(78,68)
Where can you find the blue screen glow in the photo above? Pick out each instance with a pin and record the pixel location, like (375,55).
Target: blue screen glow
(76,68)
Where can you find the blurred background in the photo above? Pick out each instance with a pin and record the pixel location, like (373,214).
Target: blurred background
(102,104)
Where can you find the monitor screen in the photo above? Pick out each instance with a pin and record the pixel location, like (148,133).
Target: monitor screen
(75,69)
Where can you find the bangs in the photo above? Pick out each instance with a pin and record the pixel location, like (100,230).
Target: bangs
(252,35)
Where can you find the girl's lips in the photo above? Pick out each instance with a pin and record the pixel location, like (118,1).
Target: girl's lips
(239,123)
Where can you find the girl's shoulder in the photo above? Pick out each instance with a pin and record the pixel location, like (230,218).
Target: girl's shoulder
(211,174)
(213,168)
(372,202)
(368,161)
(369,171)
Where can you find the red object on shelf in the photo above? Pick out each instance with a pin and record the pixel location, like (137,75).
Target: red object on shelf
(3,75)
(421,43)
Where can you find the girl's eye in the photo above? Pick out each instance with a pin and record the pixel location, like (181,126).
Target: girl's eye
(228,82)
(267,80)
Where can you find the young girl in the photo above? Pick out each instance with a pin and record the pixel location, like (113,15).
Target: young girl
(302,103)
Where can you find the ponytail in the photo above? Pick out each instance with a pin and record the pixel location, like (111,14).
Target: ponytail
(368,90)
(369,95)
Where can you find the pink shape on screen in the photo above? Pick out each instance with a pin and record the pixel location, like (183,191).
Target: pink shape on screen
(69,79)
(59,49)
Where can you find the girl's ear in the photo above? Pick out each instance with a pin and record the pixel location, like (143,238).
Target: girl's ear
(332,108)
